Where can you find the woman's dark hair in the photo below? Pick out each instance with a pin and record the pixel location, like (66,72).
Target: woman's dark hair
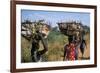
(70,38)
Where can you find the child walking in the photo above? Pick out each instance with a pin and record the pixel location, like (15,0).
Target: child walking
(69,49)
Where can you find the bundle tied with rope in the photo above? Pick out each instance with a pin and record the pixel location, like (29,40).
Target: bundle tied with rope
(71,28)
(30,29)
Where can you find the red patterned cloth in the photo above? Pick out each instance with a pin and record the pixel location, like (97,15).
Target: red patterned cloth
(70,52)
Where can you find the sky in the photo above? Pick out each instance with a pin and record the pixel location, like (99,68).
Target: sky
(53,17)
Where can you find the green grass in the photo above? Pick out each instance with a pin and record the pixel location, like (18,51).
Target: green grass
(25,50)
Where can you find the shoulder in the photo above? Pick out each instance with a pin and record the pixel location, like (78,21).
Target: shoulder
(66,46)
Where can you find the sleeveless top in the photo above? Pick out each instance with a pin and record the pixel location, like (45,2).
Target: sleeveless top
(70,51)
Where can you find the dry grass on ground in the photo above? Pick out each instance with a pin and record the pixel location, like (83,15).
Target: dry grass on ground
(55,51)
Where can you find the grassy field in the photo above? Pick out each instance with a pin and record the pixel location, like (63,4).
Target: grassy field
(56,42)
